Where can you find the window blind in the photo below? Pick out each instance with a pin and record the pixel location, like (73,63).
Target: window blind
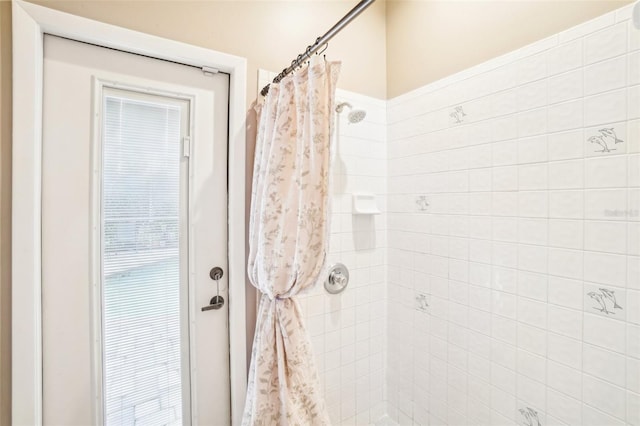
(141,261)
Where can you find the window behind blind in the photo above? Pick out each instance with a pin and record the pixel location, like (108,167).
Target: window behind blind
(141,260)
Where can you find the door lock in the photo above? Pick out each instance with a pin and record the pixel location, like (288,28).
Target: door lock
(216,301)
(216,273)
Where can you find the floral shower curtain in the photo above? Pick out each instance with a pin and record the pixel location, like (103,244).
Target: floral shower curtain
(288,235)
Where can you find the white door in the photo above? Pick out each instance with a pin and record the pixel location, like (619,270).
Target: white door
(134,215)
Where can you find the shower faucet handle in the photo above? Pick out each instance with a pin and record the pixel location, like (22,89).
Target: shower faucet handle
(338,279)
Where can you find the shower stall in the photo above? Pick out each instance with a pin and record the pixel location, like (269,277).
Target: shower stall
(500,283)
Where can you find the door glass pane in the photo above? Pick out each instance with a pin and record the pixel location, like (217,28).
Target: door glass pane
(141,261)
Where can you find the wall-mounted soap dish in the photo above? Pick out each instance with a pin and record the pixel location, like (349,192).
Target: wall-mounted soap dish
(365,204)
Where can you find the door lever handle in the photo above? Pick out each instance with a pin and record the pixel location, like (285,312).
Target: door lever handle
(216,302)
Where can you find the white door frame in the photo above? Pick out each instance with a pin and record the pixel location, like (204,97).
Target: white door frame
(30,23)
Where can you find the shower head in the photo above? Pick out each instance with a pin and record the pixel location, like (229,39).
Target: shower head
(355,115)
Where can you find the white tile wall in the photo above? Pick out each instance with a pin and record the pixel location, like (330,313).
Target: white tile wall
(348,330)
(527,253)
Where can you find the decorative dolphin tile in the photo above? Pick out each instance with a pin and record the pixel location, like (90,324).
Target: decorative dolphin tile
(604,301)
(422,203)
(611,296)
(610,133)
(529,417)
(422,303)
(600,302)
(601,143)
(457,115)
(604,140)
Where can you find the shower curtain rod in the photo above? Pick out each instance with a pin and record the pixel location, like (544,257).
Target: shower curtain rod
(320,41)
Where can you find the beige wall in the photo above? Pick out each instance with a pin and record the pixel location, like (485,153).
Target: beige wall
(429,40)
(270,34)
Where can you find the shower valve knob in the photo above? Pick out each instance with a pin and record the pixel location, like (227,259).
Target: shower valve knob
(338,279)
